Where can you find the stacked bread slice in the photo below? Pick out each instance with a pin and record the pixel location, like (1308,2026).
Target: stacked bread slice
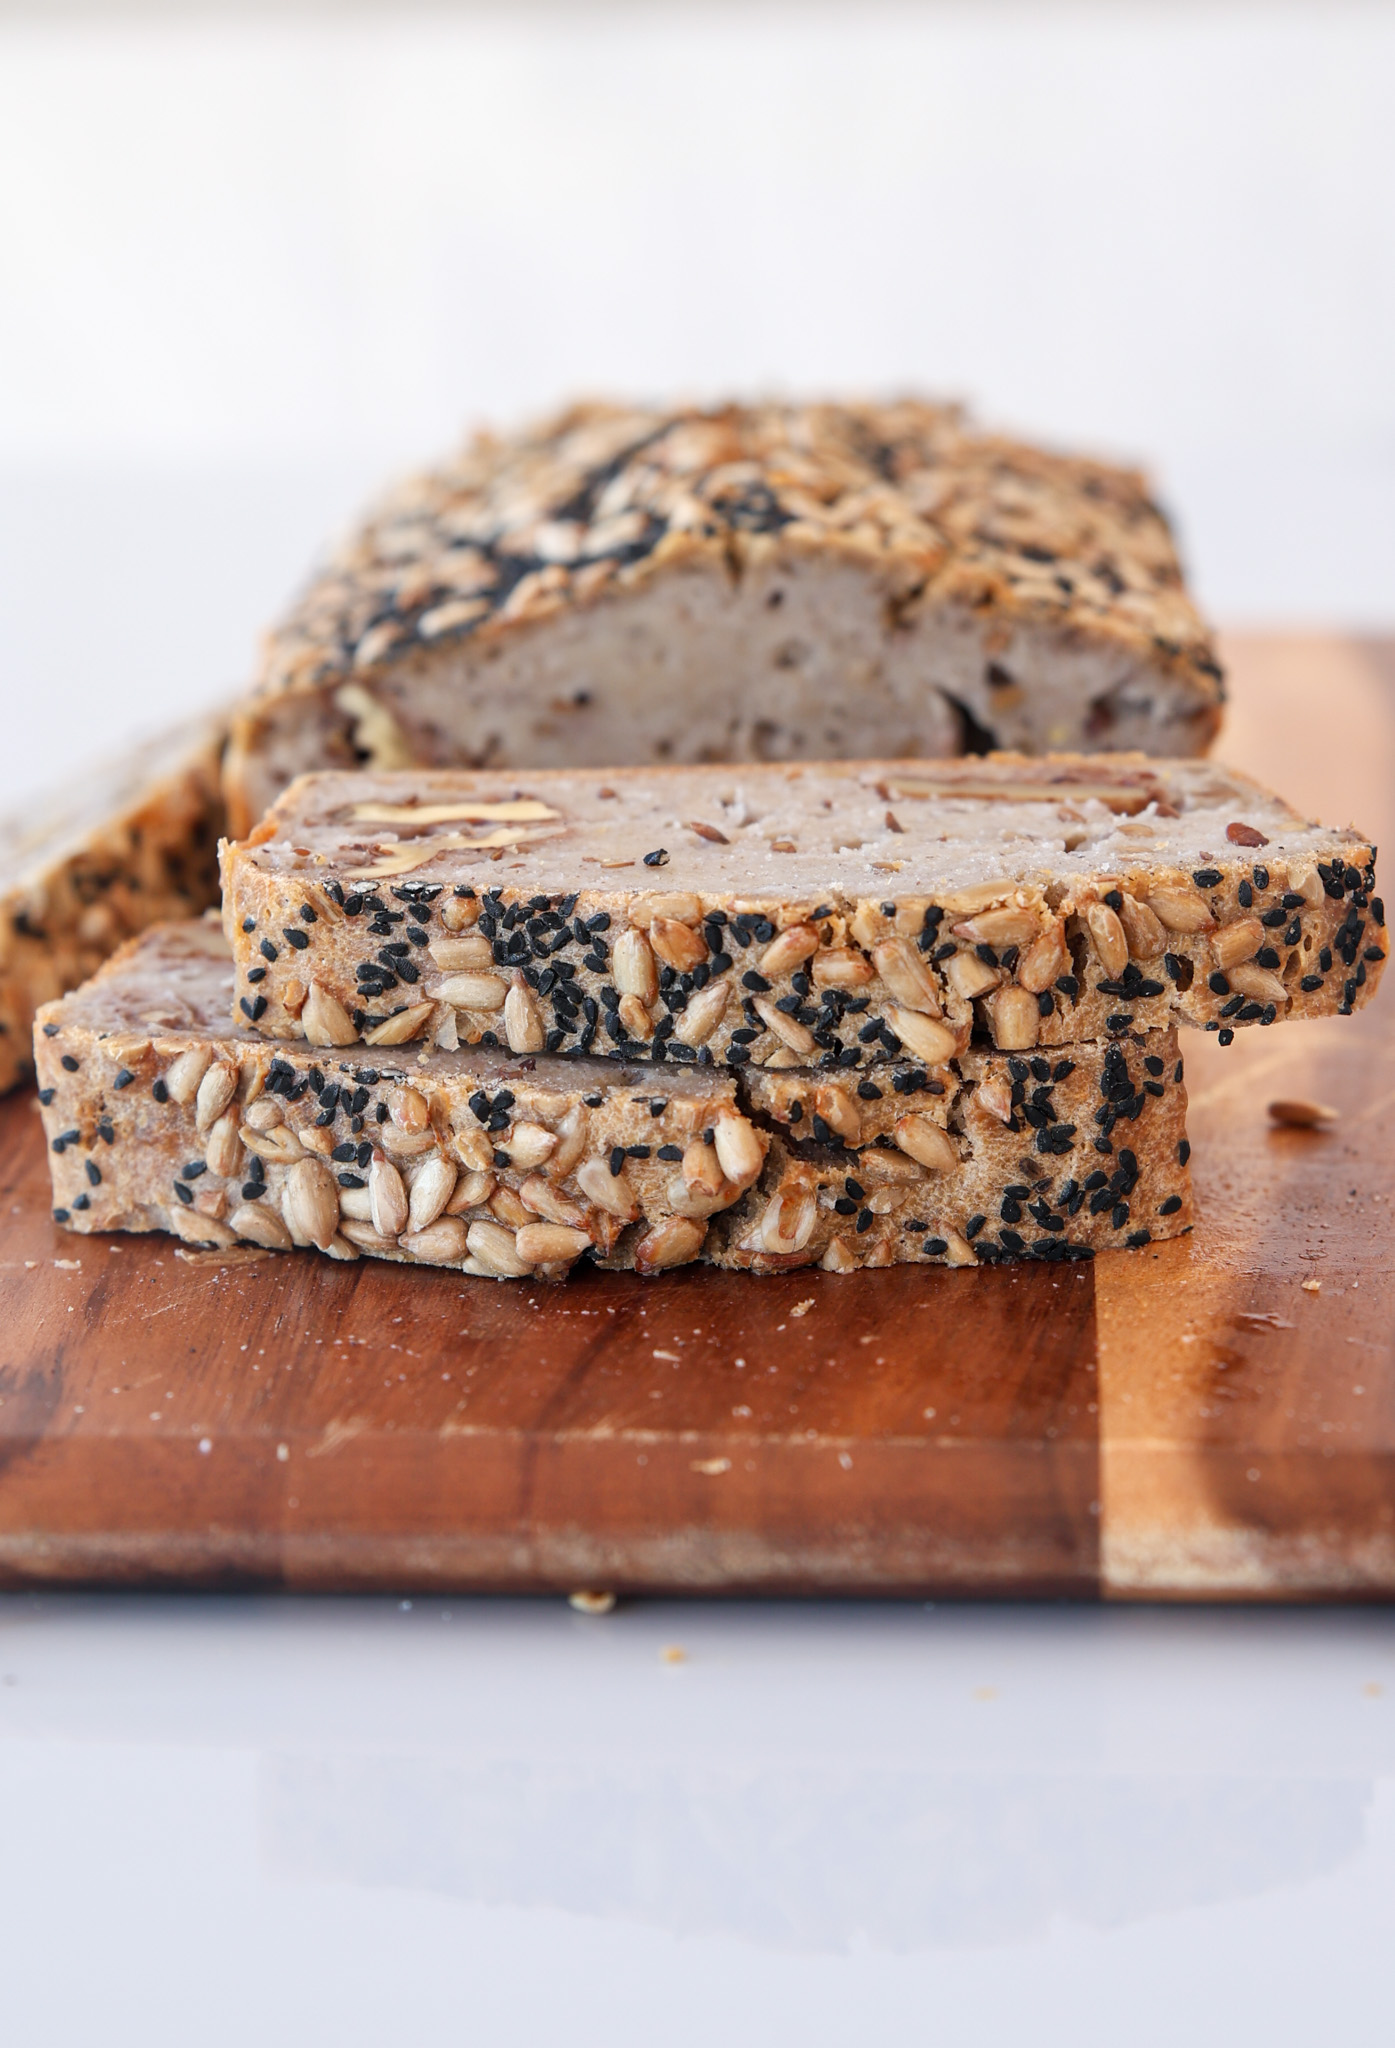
(763,1016)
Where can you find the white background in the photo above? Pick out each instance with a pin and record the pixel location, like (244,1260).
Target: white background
(250,263)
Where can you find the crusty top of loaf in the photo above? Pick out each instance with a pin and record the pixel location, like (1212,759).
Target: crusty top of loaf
(783,832)
(602,497)
(93,811)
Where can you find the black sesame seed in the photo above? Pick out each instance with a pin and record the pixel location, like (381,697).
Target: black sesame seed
(268,951)
(1209,878)
(1261,876)
(68,1063)
(253,1010)
(657,859)
(184,1194)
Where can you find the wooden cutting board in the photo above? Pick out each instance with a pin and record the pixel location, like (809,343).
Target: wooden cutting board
(1185,1422)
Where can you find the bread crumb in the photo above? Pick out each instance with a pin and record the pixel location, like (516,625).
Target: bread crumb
(713,1467)
(802,1308)
(1312,1286)
(673,1653)
(591,1603)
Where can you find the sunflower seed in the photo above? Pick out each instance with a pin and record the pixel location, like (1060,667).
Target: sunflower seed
(969,976)
(797,942)
(279,1147)
(506,1206)
(223,1148)
(788,1221)
(1016,1019)
(839,1111)
(496,1250)
(543,1244)
(704,1013)
(609,1191)
(546,1201)
(922,1139)
(738,1149)
(1302,1116)
(310,1203)
(438,1243)
(800,1041)
(1142,928)
(1259,985)
(923,1036)
(841,967)
(571,1143)
(677,944)
(1108,935)
(431,1189)
(261,1225)
(387,1196)
(185,1073)
(407,1108)
(215,1091)
(528,1145)
(701,1168)
(324,1019)
(1179,908)
(635,1018)
(906,975)
(472,1191)
(399,1029)
(632,964)
(1044,960)
(1236,942)
(472,991)
(523,1024)
(671,1243)
(462,956)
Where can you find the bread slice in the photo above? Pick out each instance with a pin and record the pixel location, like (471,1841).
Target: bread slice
(161,1117)
(96,863)
(747,583)
(830,915)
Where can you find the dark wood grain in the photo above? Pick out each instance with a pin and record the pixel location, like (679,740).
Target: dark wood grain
(1183,1422)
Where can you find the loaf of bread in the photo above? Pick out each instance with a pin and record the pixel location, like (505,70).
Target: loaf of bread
(112,854)
(822,915)
(749,583)
(160,1116)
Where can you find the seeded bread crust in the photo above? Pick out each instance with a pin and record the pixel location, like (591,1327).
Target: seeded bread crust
(83,873)
(767,582)
(829,915)
(159,1117)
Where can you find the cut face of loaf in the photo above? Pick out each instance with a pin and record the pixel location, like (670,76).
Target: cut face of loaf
(131,845)
(830,915)
(159,1117)
(767,583)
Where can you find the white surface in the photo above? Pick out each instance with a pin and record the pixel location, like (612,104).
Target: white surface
(252,264)
(502,1823)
